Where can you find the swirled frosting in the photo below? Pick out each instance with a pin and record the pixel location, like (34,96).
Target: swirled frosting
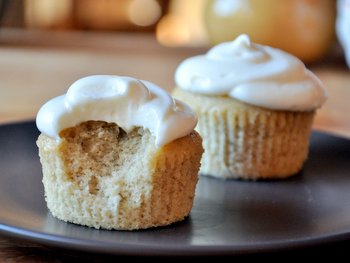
(126,101)
(255,74)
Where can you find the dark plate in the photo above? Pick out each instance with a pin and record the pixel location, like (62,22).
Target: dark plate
(229,217)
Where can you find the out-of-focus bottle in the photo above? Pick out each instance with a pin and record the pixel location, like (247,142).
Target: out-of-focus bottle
(305,28)
(343,27)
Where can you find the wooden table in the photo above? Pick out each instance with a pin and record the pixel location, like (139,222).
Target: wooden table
(36,66)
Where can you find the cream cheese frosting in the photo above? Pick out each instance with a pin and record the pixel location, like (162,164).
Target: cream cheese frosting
(255,74)
(126,101)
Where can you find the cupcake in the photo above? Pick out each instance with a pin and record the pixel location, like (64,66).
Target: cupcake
(118,153)
(255,105)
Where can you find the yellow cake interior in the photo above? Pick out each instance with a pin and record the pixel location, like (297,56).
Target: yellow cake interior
(100,176)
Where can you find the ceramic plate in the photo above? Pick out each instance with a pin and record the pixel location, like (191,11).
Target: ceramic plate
(229,217)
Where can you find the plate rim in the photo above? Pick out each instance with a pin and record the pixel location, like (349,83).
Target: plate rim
(117,248)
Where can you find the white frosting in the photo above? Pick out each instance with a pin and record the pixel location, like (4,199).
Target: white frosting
(126,101)
(255,74)
(343,27)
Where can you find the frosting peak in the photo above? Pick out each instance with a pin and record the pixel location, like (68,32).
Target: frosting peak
(241,49)
(126,101)
(253,73)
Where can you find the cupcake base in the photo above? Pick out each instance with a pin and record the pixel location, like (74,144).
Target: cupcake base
(99,176)
(248,142)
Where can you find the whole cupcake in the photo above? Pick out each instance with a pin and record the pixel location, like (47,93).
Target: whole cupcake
(118,153)
(255,105)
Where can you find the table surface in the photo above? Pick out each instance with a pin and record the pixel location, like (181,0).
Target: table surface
(36,66)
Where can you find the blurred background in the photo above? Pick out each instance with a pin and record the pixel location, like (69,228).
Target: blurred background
(305,28)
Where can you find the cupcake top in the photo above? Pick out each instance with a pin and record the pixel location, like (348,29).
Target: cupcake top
(255,74)
(126,101)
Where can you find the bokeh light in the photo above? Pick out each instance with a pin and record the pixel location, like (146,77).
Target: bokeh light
(144,12)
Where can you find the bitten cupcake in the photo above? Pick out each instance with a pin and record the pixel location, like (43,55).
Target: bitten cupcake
(255,105)
(118,153)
